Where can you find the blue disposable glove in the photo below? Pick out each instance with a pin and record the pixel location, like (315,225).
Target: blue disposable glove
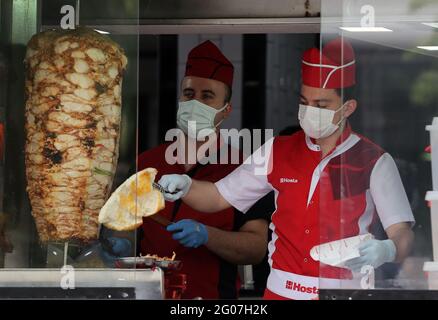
(114,248)
(175,185)
(189,233)
(121,247)
(373,253)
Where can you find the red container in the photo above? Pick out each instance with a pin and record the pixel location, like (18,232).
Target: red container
(175,284)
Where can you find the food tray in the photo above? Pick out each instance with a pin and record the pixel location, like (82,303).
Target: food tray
(147,262)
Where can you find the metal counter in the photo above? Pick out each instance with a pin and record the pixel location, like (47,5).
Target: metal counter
(69,283)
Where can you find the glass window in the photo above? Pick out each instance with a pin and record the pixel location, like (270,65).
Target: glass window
(346,87)
(372,196)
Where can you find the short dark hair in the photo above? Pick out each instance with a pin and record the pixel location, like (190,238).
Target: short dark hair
(346,94)
(228,93)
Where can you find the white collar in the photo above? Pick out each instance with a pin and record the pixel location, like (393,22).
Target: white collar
(352,139)
(312,146)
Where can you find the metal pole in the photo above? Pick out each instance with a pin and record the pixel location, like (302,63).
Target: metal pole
(78,10)
(65,252)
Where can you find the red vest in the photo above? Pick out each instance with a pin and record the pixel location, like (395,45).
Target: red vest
(336,209)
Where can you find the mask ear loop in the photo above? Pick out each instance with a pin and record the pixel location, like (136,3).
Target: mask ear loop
(341,122)
(220,110)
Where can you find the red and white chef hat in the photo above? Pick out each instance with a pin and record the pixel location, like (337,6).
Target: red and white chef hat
(332,68)
(207,61)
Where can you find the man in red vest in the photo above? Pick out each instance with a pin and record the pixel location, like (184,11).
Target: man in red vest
(330,183)
(209,246)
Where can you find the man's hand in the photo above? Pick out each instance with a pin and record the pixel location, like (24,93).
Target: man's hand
(189,233)
(374,253)
(176,186)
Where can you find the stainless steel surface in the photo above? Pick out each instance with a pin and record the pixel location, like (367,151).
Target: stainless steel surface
(133,261)
(115,11)
(174,16)
(168,264)
(210,26)
(256,16)
(148,284)
(192,9)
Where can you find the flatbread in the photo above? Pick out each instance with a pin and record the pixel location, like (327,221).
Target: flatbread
(132,200)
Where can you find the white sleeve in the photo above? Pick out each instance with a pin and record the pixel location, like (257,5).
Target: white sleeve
(249,182)
(388,193)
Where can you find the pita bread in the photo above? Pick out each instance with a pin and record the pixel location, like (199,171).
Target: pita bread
(133,200)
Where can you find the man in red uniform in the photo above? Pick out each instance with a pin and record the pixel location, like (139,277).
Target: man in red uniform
(209,246)
(330,183)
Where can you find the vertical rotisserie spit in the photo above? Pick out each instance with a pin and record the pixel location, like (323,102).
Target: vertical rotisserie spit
(73,113)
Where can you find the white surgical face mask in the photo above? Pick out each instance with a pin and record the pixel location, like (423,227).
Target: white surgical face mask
(318,123)
(194,116)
